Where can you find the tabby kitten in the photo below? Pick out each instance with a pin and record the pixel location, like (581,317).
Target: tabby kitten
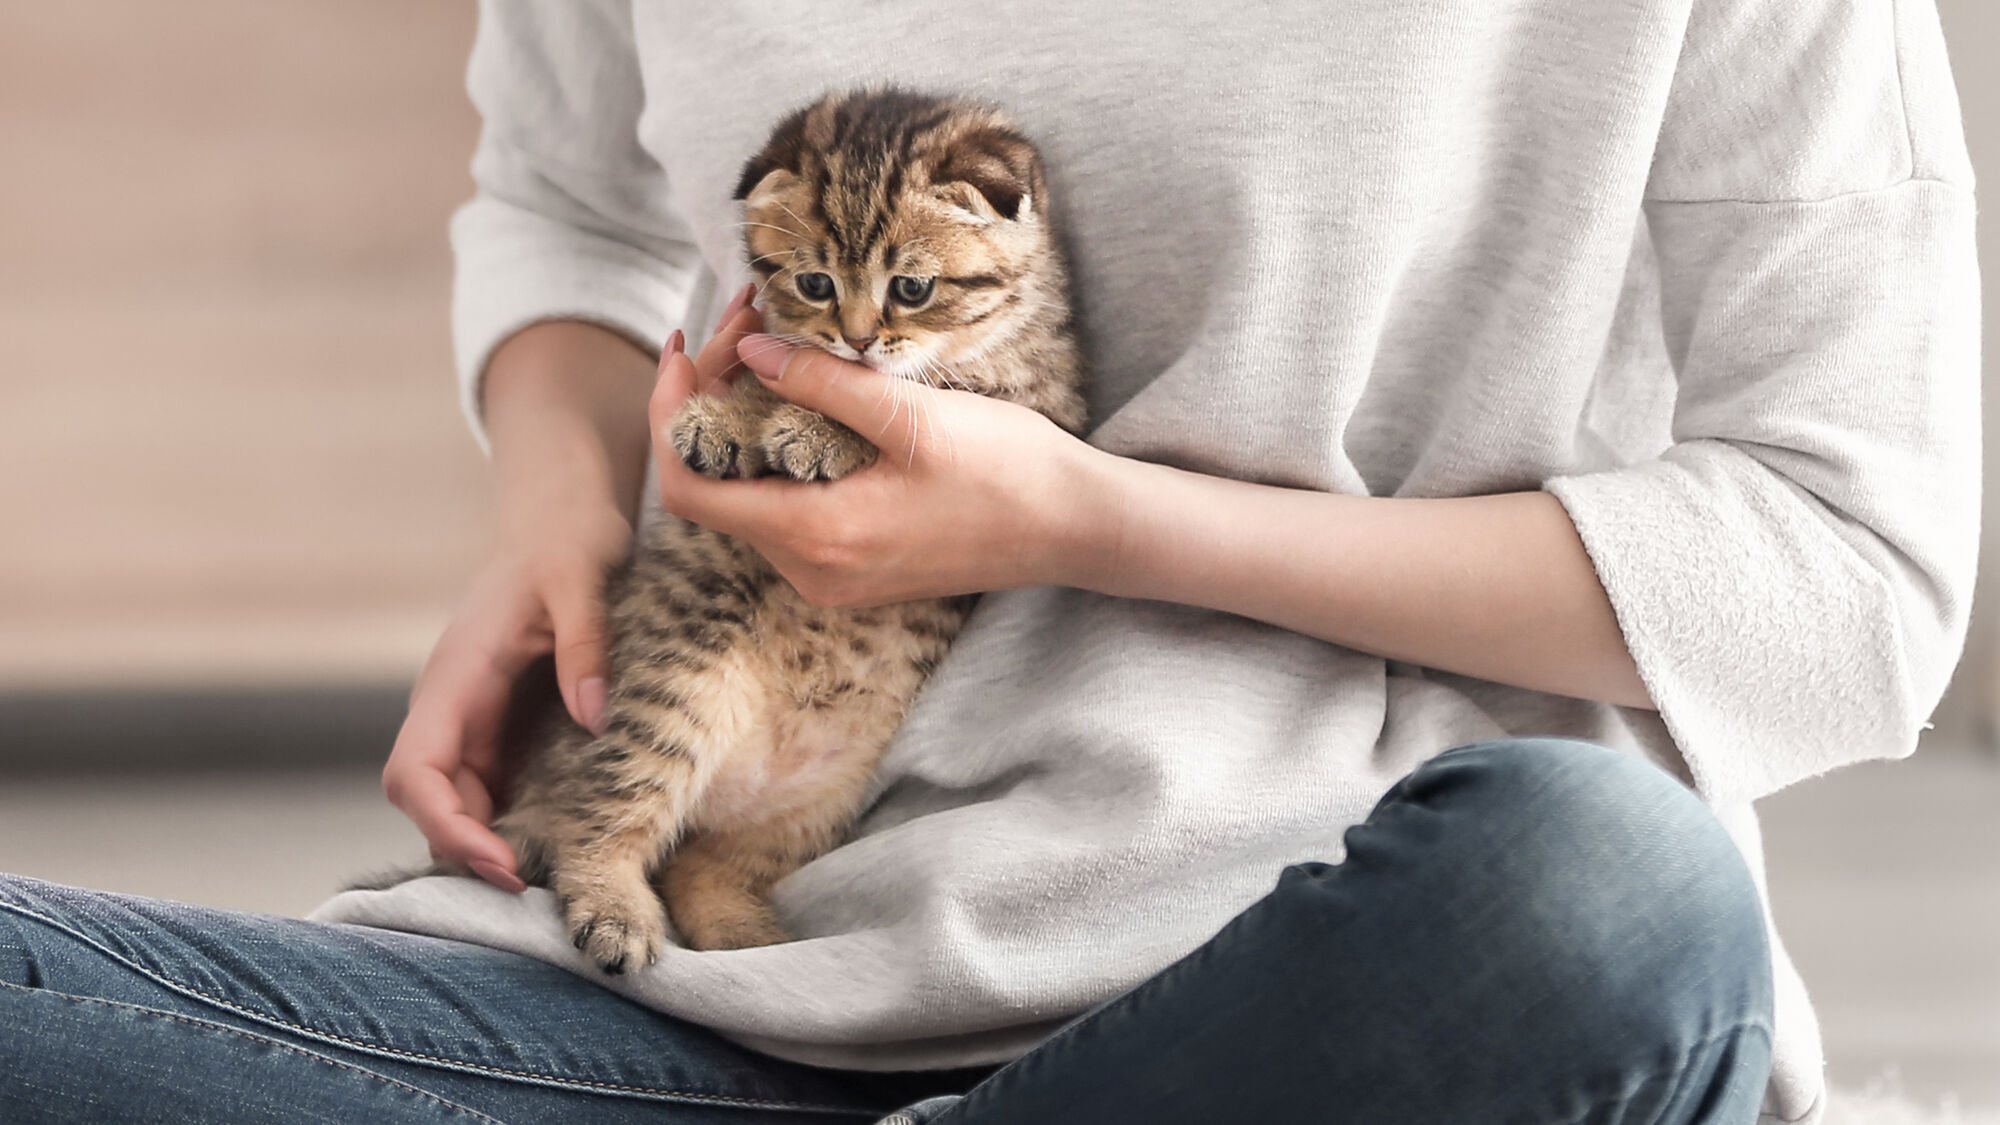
(906,232)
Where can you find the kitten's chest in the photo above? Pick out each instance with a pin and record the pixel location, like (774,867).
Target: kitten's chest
(829,688)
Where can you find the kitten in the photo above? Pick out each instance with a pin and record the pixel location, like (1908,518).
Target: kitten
(906,232)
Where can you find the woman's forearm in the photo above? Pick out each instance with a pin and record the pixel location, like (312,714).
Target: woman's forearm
(1497,587)
(565,409)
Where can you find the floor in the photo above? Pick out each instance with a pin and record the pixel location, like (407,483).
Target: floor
(1886,881)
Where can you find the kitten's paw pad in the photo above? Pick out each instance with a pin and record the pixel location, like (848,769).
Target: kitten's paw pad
(715,438)
(620,937)
(808,446)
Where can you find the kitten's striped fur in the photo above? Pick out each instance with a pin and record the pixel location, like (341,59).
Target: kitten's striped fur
(744,722)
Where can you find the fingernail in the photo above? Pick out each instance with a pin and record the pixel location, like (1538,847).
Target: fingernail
(498,876)
(736,304)
(591,696)
(766,355)
(677,343)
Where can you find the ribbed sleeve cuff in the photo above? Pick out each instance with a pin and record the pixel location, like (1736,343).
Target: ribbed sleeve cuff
(516,268)
(1771,650)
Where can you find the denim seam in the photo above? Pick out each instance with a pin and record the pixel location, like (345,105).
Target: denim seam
(1747,1025)
(265,1039)
(398,1052)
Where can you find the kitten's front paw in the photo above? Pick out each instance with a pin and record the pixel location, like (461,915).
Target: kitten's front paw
(717,436)
(808,446)
(619,934)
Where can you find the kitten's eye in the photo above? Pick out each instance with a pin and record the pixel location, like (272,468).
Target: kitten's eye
(815,286)
(912,290)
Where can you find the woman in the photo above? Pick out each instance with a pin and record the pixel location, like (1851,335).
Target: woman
(1549,430)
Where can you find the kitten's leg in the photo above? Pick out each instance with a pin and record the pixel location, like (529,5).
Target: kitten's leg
(715,886)
(806,445)
(608,808)
(629,796)
(721,434)
(685,695)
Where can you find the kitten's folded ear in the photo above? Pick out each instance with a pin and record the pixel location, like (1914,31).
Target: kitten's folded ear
(999,164)
(784,152)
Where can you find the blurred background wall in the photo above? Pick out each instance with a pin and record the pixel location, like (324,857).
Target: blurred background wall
(231,464)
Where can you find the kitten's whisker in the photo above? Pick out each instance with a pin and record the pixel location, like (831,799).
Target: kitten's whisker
(932,428)
(952,378)
(795,217)
(949,445)
(772,278)
(905,395)
(781,230)
(889,394)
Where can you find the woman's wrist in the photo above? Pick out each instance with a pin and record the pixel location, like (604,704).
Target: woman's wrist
(565,409)
(1096,522)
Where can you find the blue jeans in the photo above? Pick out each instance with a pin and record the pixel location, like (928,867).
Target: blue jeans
(1530,931)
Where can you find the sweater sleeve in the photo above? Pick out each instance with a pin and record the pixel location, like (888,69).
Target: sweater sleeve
(571,219)
(1793,574)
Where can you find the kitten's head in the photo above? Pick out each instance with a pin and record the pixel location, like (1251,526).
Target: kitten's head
(904,231)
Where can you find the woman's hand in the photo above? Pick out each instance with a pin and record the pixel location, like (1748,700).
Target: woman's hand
(969,493)
(563,404)
(538,595)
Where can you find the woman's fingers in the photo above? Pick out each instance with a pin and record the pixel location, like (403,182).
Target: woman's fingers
(416,782)
(677,378)
(736,304)
(882,408)
(718,366)
(452,730)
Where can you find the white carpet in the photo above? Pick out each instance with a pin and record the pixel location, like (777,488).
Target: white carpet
(1884,1104)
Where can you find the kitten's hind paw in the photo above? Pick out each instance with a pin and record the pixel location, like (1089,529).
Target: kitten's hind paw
(619,936)
(749,931)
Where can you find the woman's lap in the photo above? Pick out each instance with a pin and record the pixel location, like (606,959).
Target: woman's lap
(1529,930)
(359,1020)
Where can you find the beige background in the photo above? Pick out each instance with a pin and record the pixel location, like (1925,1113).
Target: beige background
(229,447)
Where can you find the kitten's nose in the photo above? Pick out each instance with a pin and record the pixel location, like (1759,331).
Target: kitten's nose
(859,344)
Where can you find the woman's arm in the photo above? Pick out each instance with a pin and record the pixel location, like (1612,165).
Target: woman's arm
(562,405)
(1496,587)
(572,228)
(974,494)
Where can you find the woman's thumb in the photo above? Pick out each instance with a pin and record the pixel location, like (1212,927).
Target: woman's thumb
(881,408)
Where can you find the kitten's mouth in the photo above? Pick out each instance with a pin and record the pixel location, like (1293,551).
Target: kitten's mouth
(850,355)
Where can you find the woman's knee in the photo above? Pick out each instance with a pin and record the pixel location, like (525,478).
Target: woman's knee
(1578,870)
(17,957)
